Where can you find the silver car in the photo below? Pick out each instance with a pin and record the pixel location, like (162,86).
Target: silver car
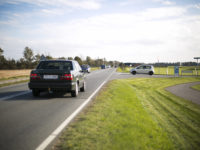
(144,69)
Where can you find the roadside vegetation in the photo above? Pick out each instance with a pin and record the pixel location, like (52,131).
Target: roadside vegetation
(196,87)
(136,114)
(14,74)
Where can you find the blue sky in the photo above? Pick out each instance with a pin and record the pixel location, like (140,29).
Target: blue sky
(124,30)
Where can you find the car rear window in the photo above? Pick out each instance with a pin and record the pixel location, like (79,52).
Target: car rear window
(60,65)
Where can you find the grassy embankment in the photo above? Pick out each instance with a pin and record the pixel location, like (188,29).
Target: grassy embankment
(94,68)
(166,70)
(136,114)
(196,87)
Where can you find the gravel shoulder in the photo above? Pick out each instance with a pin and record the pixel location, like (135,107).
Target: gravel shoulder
(185,91)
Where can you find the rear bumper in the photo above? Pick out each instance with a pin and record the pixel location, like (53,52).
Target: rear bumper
(66,86)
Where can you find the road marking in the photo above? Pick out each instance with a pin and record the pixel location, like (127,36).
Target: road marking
(57,131)
(14,95)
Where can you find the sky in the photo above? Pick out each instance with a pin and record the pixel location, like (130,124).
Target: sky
(125,30)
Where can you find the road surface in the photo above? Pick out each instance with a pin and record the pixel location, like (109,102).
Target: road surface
(26,121)
(185,91)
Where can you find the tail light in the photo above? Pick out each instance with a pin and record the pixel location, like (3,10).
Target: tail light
(67,77)
(34,76)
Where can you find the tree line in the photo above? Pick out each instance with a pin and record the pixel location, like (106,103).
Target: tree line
(30,60)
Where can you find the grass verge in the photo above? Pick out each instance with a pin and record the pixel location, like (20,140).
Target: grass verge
(94,68)
(136,114)
(12,83)
(196,87)
(13,78)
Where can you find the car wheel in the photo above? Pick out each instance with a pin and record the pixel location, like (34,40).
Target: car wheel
(35,92)
(75,92)
(151,73)
(133,72)
(82,89)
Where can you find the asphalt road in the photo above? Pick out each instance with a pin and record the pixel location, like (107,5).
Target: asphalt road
(185,91)
(26,121)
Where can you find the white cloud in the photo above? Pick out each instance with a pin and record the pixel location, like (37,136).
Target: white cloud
(163,12)
(167,33)
(83,4)
(197,6)
(165,2)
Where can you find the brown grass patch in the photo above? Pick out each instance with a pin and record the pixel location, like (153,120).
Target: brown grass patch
(4,74)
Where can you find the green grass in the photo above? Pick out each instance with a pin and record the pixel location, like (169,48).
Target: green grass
(125,70)
(133,114)
(94,68)
(196,87)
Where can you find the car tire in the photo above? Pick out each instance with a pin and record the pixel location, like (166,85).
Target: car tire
(151,73)
(75,92)
(133,72)
(82,89)
(35,92)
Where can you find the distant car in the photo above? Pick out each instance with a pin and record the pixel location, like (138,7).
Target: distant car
(57,75)
(103,66)
(86,68)
(143,69)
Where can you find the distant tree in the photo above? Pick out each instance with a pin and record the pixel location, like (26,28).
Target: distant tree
(11,64)
(28,54)
(89,60)
(49,57)
(78,59)
(29,57)
(37,57)
(3,61)
(70,58)
(22,63)
(61,58)
(1,51)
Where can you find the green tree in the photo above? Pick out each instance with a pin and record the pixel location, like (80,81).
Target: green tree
(78,59)
(61,58)
(28,56)
(3,61)
(70,58)
(1,51)
(37,57)
(49,57)
(89,60)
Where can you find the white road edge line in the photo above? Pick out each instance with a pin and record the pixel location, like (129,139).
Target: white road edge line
(14,95)
(55,133)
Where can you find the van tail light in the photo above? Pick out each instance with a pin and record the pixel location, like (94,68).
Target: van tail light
(67,77)
(34,76)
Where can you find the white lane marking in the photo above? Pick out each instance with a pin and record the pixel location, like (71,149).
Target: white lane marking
(57,131)
(14,95)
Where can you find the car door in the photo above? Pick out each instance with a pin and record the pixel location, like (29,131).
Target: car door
(145,69)
(139,69)
(80,73)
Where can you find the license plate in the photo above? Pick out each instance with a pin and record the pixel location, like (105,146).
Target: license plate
(50,76)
